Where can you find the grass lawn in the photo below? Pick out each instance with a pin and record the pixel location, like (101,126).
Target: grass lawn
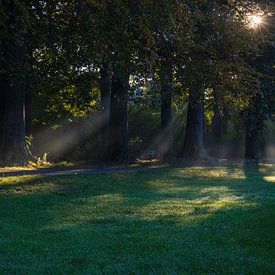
(167,221)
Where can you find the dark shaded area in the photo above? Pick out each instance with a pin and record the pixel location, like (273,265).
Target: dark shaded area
(165,146)
(118,124)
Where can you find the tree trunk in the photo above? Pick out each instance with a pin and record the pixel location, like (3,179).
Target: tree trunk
(29,90)
(28,110)
(118,125)
(254,123)
(13,149)
(166,80)
(218,129)
(218,125)
(105,94)
(193,147)
(252,144)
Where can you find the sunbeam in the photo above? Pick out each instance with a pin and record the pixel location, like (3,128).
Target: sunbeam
(69,136)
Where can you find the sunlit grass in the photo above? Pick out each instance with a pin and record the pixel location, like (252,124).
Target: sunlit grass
(270,179)
(37,165)
(167,221)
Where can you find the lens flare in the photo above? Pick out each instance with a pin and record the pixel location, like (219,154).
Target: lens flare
(255,21)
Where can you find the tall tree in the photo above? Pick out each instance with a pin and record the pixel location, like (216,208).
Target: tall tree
(193,147)
(120,47)
(118,124)
(105,98)
(170,27)
(166,82)
(261,107)
(14,58)
(220,42)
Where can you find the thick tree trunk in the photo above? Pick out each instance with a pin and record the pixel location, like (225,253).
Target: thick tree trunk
(28,110)
(218,125)
(166,80)
(252,144)
(218,130)
(13,149)
(254,123)
(28,91)
(105,95)
(193,147)
(118,125)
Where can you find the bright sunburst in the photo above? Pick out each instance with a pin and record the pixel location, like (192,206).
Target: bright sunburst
(255,21)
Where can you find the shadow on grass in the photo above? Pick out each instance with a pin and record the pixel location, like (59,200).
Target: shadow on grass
(165,221)
(252,169)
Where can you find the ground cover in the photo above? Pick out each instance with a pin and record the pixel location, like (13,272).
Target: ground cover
(165,221)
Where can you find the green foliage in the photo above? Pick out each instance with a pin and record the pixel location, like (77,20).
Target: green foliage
(143,129)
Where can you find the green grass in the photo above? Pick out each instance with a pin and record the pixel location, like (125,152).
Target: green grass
(168,221)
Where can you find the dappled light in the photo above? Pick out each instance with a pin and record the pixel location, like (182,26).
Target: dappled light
(66,139)
(214,172)
(270,179)
(141,218)
(183,82)
(137,137)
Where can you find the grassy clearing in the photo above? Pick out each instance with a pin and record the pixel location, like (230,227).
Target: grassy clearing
(168,221)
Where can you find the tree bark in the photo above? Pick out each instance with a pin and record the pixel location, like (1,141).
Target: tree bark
(218,129)
(28,110)
(105,95)
(219,124)
(193,148)
(166,80)
(254,123)
(252,143)
(118,125)
(29,79)
(13,148)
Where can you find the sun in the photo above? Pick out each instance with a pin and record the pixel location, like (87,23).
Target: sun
(255,21)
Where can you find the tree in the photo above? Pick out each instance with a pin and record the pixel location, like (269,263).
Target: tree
(123,48)
(105,98)
(261,105)
(220,46)
(13,75)
(166,81)
(169,27)
(197,69)
(118,124)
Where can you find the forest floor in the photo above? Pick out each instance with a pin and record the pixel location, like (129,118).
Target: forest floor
(189,220)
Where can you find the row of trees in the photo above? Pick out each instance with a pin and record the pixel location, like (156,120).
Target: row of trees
(85,54)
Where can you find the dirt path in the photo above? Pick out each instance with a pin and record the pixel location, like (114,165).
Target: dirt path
(58,171)
(79,171)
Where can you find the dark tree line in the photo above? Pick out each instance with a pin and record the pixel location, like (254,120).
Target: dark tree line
(63,53)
